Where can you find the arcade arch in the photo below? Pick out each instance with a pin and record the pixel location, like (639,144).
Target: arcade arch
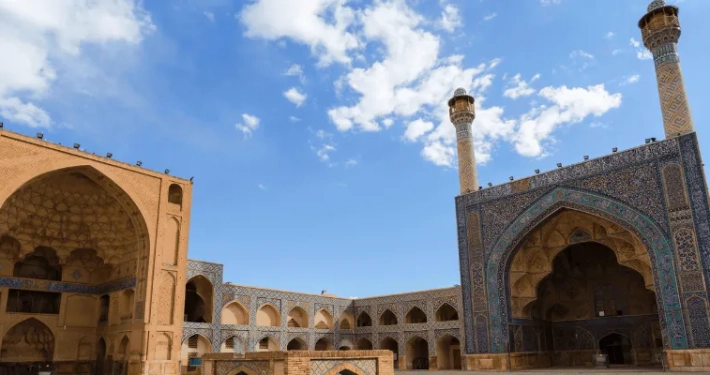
(364,344)
(268,316)
(346,322)
(297,344)
(415,315)
(235,313)
(391,344)
(448,353)
(198,300)
(323,344)
(417,354)
(297,318)
(194,346)
(388,318)
(446,313)
(323,319)
(267,344)
(364,320)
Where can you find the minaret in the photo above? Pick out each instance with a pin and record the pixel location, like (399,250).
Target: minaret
(660,31)
(462,113)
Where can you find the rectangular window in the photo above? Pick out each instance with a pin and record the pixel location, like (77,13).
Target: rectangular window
(32,302)
(192,342)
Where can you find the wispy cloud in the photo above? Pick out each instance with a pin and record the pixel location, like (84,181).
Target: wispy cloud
(490,16)
(296,97)
(248,125)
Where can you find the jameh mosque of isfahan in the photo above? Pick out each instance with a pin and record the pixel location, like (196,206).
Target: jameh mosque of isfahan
(608,256)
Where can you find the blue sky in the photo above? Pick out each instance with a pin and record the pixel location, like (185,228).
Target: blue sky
(316,130)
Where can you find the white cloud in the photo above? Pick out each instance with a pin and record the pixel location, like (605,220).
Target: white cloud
(630,79)
(294,96)
(520,87)
(416,129)
(209,15)
(609,35)
(38,37)
(297,71)
(641,52)
(616,52)
(262,187)
(324,151)
(450,18)
(490,16)
(249,125)
(320,24)
(568,105)
(26,113)
(351,163)
(294,119)
(550,2)
(407,81)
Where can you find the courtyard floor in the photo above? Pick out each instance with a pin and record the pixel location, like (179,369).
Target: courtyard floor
(560,371)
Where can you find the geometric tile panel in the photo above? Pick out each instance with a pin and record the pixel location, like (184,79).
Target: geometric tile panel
(255,367)
(322,367)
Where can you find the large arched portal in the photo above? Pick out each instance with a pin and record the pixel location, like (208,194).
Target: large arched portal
(417,354)
(71,226)
(574,280)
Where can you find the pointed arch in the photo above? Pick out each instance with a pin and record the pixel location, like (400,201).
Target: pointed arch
(28,341)
(415,315)
(297,318)
(297,343)
(364,344)
(446,313)
(346,321)
(234,313)
(642,226)
(266,343)
(417,350)
(199,293)
(323,319)
(323,343)
(388,318)
(268,316)
(364,320)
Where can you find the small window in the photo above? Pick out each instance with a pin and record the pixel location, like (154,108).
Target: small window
(229,343)
(264,343)
(175,194)
(192,342)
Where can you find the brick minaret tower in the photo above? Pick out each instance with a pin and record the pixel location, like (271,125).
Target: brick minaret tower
(660,31)
(462,113)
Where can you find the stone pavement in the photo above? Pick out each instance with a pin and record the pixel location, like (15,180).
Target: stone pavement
(556,371)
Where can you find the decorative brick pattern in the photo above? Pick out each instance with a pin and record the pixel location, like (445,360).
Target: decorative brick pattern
(674,102)
(324,367)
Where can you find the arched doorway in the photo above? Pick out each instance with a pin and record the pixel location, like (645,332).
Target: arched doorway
(297,344)
(323,344)
(198,300)
(192,350)
(417,354)
(28,341)
(391,345)
(448,353)
(617,348)
(364,344)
